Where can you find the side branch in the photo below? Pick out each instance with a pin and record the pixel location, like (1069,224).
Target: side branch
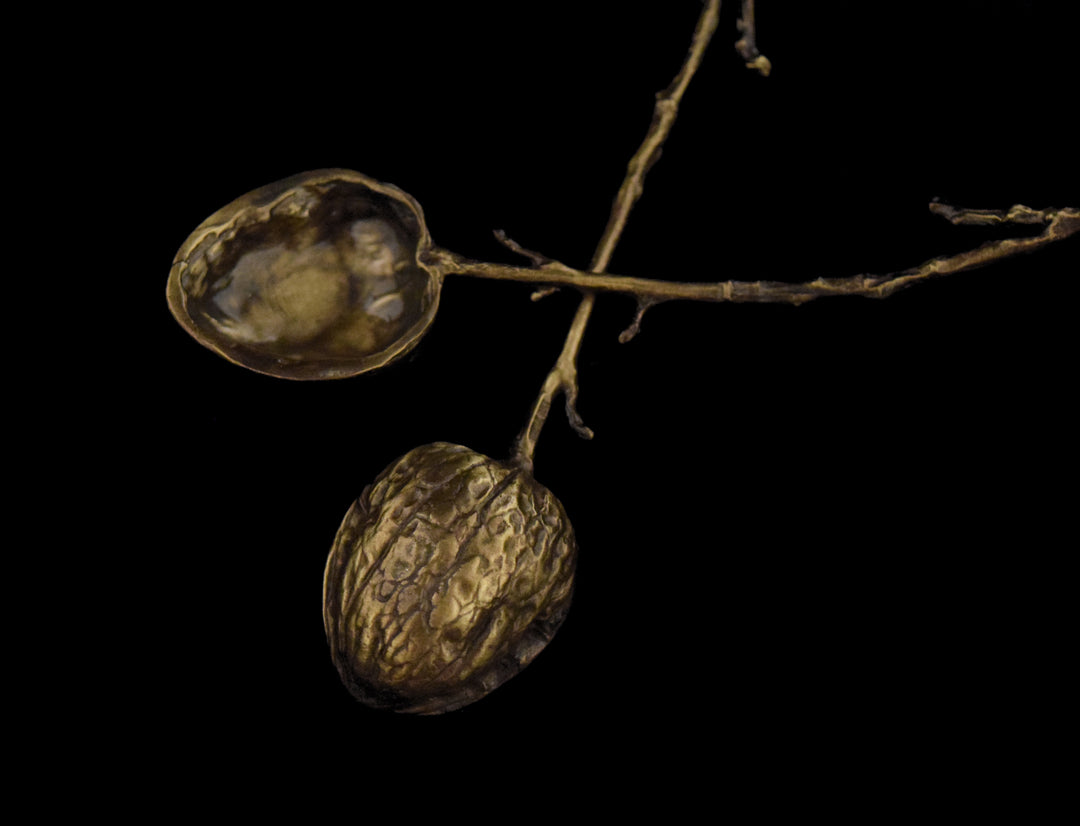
(1018,214)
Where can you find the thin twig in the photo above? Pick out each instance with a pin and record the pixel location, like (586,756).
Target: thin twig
(664,112)
(537,259)
(1018,214)
(747,44)
(563,376)
(635,326)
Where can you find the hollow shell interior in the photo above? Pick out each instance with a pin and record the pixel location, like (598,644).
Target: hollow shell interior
(317,276)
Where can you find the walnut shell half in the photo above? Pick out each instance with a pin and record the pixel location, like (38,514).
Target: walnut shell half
(318,276)
(447,577)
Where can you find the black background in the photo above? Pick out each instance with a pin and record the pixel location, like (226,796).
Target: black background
(813,541)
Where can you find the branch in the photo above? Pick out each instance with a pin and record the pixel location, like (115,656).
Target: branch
(664,112)
(563,377)
(1059,224)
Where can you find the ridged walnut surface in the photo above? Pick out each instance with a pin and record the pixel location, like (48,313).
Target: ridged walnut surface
(447,577)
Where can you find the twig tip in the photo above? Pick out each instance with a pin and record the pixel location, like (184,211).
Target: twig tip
(543,292)
(536,258)
(635,326)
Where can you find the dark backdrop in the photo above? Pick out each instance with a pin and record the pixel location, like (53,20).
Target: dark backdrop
(809,537)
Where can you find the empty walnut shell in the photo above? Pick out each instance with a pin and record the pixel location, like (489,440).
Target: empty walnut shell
(447,577)
(318,276)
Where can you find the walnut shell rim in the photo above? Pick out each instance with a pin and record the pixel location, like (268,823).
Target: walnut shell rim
(257,207)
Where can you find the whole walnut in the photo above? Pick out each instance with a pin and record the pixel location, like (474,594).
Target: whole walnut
(449,574)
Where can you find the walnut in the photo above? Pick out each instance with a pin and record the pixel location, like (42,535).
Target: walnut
(447,577)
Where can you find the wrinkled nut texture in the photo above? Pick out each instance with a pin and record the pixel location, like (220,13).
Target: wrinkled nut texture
(314,277)
(447,577)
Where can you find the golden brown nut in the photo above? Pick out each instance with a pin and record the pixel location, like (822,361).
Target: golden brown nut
(447,577)
(318,276)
